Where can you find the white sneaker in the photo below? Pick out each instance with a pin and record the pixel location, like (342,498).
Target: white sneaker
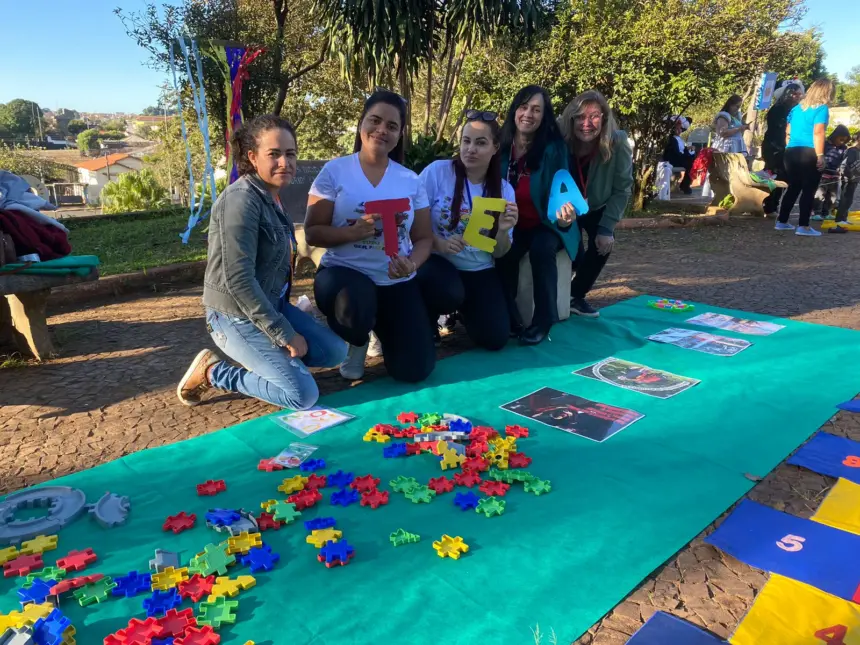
(807,231)
(783,226)
(352,369)
(374,347)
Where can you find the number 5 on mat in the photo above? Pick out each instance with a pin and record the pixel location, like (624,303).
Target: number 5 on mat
(791,543)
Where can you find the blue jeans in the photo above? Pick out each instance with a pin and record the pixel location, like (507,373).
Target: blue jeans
(265,371)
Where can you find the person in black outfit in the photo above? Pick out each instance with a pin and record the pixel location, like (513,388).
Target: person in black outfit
(773,144)
(677,153)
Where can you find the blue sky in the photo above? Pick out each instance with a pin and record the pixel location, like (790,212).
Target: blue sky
(51,62)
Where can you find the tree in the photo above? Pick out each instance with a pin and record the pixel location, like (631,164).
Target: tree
(117,125)
(851,91)
(22,118)
(76,126)
(88,140)
(133,191)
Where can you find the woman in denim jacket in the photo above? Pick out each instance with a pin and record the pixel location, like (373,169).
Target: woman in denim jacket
(246,288)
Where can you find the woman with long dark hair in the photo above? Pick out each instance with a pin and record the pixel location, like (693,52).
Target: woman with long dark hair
(773,143)
(729,127)
(457,276)
(532,152)
(362,285)
(246,288)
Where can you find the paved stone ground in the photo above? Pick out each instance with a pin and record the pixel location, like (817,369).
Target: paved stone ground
(112,391)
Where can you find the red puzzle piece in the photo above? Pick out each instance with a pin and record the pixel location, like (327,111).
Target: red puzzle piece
(477,448)
(494,488)
(174,623)
(384,428)
(482,433)
(441,485)
(22,565)
(335,563)
(182,521)
(211,487)
(402,433)
(198,636)
(365,483)
(517,431)
(77,560)
(407,417)
(388,208)
(413,449)
(374,498)
(195,588)
(305,498)
(468,478)
(267,521)
(74,583)
(316,481)
(269,465)
(518,460)
(476,464)
(139,632)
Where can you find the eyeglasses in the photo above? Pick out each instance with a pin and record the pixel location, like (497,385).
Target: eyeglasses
(478,115)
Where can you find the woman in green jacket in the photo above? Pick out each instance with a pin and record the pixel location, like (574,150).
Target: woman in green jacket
(533,151)
(601,163)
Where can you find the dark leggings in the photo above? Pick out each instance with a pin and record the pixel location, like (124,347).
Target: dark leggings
(775,162)
(589,263)
(803,178)
(354,306)
(477,295)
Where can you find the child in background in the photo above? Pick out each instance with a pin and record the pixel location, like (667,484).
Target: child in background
(834,152)
(850,172)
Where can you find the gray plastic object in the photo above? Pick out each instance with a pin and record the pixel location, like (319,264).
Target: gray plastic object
(247,522)
(64,505)
(111,510)
(14,636)
(164,559)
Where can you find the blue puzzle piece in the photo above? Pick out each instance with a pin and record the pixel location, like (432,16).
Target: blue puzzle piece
(160,601)
(163,641)
(260,558)
(336,551)
(345,497)
(49,631)
(394,450)
(340,479)
(829,455)
(320,523)
(665,629)
(222,517)
(460,425)
(132,584)
(311,465)
(466,501)
(793,547)
(38,591)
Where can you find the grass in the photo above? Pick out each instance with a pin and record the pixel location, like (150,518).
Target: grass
(11,361)
(135,244)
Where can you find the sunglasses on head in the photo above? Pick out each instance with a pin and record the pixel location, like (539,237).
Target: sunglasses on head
(481,115)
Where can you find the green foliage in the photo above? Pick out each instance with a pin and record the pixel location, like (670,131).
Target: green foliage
(88,139)
(117,125)
(425,150)
(76,126)
(133,191)
(112,135)
(22,162)
(21,118)
(851,89)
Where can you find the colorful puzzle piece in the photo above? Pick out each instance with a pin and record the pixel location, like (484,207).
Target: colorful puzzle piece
(52,630)
(267,521)
(517,431)
(403,484)
(311,465)
(75,583)
(450,547)
(440,485)
(491,506)
(222,517)
(175,623)
(451,459)
(320,536)
(132,584)
(48,573)
(466,501)
(537,486)
(365,483)
(243,542)
(137,632)
(8,553)
(39,544)
(460,425)
(519,460)
(374,498)
(320,523)
(225,586)
(375,435)
(394,450)
(213,559)
(407,417)
(217,612)
(494,488)
(77,560)
(196,587)
(292,484)
(468,478)
(22,565)
(344,497)
(336,554)
(211,487)
(204,635)
(430,419)
(340,479)
(402,536)
(269,465)
(168,578)
(182,521)
(260,559)
(316,482)
(38,591)
(421,494)
(94,592)
(26,617)
(282,511)
(476,464)
(162,601)
(305,498)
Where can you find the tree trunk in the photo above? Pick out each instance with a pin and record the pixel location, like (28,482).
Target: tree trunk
(455,79)
(403,80)
(445,85)
(281,8)
(428,105)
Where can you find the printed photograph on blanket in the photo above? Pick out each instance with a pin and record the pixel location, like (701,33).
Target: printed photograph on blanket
(740,325)
(636,377)
(573,414)
(701,341)
(303,423)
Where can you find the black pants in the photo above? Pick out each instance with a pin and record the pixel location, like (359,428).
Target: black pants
(687,165)
(589,263)
(803,178)
(477,295)
(354,306)
(775,162)
(845,201)
(541,244)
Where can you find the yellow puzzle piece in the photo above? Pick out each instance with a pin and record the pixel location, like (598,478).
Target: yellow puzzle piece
(169,578)
(374,435)
(7,554)
(39,544)
(841,508)
(243,542)
(293,484)
(228,588)
(450,547)
(30,614)
(319,537)
(269,503)
(450,459)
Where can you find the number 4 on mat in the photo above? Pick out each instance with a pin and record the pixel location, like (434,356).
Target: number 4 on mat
(791,543)
(832,635)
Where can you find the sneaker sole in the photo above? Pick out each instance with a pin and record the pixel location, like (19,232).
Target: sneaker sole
(351,377)
(200,356)
(596,314)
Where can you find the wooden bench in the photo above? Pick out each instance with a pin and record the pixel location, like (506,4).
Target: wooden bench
(730,175)
(23,318)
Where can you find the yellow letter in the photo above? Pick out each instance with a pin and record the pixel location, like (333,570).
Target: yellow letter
(481,218)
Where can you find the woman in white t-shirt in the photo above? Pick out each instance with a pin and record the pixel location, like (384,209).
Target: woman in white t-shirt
(366,278)
(460,277)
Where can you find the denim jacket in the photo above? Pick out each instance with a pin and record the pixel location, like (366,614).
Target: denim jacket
(249,264)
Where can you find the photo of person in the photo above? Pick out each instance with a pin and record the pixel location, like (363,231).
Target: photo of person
(639,378)
(700,341)
(573,414)
(739,325)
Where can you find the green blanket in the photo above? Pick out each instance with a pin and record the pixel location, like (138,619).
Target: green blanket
(81,265)
(617,510)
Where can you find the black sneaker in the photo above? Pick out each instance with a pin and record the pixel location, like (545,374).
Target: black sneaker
(837,229)
(580,307)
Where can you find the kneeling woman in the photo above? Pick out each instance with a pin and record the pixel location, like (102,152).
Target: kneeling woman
(246,288)
(458,276)
(358,287)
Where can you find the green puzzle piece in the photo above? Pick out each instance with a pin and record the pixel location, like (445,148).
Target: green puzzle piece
(491,506)
(214,559)
(420,494)
(403,484)
(284,512)
(218,611)
(48,573)
(430,419)
(537,486)
(402,536)
(94,592)
(510,476)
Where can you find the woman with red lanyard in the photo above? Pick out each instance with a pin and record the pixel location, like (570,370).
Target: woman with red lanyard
(601,163)
(533,151)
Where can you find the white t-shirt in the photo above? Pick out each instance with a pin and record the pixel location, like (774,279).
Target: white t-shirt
(439,179)
(343,182)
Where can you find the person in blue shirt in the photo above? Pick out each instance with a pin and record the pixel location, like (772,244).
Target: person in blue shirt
(804,155)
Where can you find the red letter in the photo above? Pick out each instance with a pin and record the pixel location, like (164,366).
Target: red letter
(388,208)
